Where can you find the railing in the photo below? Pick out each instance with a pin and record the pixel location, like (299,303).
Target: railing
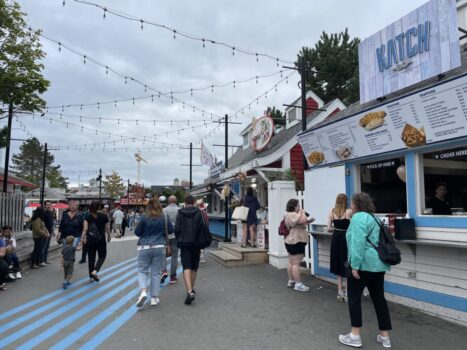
(12,210)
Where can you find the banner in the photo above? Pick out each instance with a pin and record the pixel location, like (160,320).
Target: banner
(206,156)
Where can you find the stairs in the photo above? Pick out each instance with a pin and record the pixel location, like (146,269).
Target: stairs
(232,255)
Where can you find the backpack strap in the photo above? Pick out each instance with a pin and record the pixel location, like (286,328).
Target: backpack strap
(166,229)
(368,235)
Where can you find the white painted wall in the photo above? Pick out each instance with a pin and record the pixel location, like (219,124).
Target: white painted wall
(279,192)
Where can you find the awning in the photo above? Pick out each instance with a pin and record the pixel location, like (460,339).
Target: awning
(60,206)
(33,205)
(18,182)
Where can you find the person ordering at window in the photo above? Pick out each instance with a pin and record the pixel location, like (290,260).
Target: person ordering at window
(438,203)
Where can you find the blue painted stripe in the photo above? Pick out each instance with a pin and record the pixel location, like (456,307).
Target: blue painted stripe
(55,293)
(5,327)
(87,308)
(441,221)
(315,256)
(95,322)
(411,184)
(12,337)
(426,296)
(112,327)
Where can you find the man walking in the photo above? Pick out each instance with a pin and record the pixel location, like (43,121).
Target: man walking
(118,220)
(188,226)
(49,225)
(171,210)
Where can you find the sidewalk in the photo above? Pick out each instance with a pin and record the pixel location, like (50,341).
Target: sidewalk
(238,308)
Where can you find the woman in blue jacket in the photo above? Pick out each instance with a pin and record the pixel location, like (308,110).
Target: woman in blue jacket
(153,229)
(367,270)
(252,204)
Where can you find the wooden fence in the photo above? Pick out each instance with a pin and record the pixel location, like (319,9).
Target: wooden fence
(12,210)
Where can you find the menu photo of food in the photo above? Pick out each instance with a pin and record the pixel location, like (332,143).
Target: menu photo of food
(344,152)
(413,137)
(315,158)
(372,120)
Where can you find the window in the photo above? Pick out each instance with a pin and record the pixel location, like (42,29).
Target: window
(445,179)
(292,115)
(246,140)
(382,182)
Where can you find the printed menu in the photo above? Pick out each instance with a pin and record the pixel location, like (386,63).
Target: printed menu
(432,115)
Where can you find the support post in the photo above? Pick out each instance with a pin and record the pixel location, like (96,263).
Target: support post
(302,70)
(128,193)
(7,148)
(226,202)
(99,178)
(44,166)
(191,165)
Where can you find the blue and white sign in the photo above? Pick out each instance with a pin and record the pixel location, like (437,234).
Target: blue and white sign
(421,45)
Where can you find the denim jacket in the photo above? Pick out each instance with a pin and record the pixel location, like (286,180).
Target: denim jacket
(151,231)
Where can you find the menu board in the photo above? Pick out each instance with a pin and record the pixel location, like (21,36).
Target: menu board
(428,116)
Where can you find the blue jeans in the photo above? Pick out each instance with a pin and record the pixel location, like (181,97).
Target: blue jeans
(150,264)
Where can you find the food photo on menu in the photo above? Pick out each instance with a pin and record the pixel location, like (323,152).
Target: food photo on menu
(344,152)
(372,120)
(413,137)
(315,158)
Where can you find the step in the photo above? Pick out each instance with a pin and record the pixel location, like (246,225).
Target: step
(226,259)
(245,253)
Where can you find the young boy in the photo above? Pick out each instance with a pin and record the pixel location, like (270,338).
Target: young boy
(68,259)
(10,257)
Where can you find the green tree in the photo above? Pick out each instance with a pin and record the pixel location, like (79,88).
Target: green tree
(334,60)
(28,164)
(113,184)
(276,115)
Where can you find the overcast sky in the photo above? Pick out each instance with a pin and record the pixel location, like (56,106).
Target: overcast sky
(279,28)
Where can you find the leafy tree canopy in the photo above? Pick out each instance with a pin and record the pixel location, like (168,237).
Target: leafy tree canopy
(113,184)
(334,60)
(28,164)
(276,115)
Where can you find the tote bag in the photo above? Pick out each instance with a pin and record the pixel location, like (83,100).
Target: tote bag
(240,213)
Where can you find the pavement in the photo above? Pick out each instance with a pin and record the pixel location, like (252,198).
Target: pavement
(246,307)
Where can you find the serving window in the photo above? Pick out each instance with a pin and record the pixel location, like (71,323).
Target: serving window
(445,182)
(384,181)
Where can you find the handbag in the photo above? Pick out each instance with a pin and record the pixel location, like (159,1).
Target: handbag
(240,213)
(168,247)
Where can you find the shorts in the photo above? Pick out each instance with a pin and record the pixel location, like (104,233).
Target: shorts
(118,227)
(295,249)
(190,258)
(68,268)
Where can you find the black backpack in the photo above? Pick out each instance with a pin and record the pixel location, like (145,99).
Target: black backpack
(204,235)
(94,235)
(387,250)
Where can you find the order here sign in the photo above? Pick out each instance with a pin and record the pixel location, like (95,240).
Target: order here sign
(420,45)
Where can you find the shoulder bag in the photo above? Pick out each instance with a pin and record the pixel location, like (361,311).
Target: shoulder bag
(240,213)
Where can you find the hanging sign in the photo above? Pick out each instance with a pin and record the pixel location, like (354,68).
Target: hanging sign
(262,130)
(419,46)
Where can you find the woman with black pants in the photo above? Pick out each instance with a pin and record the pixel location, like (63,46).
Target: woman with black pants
(366,270)
(96,228)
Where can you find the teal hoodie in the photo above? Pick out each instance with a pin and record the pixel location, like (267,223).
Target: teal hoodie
(362,256)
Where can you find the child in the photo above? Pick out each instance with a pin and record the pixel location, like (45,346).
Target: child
(68,259)
(10,257)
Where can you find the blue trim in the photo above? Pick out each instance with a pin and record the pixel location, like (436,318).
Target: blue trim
(217,228)
(349,179)
(441,221)
(315,257)
(426,296)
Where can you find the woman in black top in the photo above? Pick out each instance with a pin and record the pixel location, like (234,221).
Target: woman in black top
(438,203)
(96,228)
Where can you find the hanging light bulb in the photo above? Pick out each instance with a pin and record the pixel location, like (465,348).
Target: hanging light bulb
(152,98)
(133,100)
(256,79)
(98,105)
(233,51)
(142,24)
(277,62)
(257,58)
(175,32)
(105,10)
(84,59)
(106,70)
(204,44)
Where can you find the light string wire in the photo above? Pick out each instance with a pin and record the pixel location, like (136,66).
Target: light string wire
(175,32)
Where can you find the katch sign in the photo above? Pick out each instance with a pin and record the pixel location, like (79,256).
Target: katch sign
(419,46)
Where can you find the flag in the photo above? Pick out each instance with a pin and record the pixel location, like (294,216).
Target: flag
(206,156)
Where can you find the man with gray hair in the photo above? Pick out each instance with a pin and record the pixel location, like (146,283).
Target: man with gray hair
(171,210)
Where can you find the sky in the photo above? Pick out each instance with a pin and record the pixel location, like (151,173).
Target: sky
(152,56)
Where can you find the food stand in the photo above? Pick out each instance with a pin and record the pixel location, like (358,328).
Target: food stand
(399,148)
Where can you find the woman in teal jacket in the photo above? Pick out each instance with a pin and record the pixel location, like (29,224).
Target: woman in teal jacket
(367,270)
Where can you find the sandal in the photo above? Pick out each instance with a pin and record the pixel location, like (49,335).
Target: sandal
(243,246)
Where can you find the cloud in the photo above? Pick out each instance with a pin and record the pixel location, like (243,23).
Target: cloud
(153,56)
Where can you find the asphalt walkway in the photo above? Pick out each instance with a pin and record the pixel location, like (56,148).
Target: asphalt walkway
(238,308)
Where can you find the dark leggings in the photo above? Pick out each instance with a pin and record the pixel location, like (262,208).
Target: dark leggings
(3,270)
(374,281)
(101,249)
(37,253)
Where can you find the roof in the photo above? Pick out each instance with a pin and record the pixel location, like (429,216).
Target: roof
(49,194)
(242,156)
(15,180)
(358,108)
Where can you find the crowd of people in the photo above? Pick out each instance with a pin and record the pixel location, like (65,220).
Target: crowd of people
(355,231)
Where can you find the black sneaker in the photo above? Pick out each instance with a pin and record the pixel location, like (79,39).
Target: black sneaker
(164,277)
(188,299)
(82,261)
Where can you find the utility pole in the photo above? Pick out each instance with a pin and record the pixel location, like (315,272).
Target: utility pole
(44,166)
(128,193)
(302,70)
(7,148)
(99,178)
(226,166)
(191,165)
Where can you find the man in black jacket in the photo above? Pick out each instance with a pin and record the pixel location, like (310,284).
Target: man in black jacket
(188,226)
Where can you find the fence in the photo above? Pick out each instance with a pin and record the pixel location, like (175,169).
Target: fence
(12,210)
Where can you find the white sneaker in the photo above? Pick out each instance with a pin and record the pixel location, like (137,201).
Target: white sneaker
(18,275)
(385,341)
(301,287)
(141,299)
(351,340)
(11,276)
(291,283)
(155,301)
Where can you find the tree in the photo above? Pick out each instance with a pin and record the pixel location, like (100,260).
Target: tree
(3,137)
(28,164)
(113,184)
(276,115)
(334,60)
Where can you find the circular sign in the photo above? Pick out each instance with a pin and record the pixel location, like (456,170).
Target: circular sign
(262,130)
